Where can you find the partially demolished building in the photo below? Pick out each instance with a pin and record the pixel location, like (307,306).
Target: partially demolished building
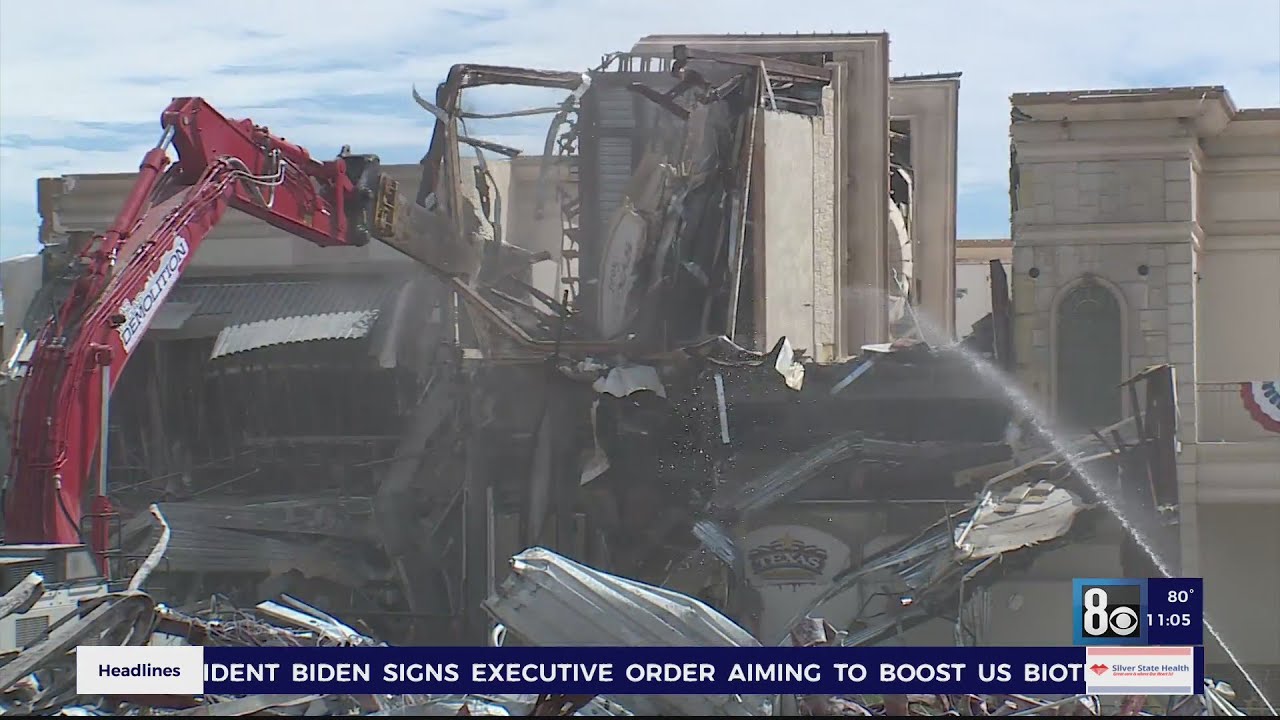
(726,388)
(668,199)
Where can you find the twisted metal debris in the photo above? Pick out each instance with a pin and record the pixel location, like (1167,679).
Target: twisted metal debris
(545,601)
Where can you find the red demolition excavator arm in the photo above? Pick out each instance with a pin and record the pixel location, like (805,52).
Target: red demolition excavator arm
(61,415)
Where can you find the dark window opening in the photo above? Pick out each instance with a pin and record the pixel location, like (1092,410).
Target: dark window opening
(1090,359)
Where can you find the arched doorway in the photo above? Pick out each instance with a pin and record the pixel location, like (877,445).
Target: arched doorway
(1089,350)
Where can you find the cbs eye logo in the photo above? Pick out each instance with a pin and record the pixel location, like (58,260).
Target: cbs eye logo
(1111,615)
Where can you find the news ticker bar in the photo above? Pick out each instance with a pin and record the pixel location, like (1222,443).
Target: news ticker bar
(640,671)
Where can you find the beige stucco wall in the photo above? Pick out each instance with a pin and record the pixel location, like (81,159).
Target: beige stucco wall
(532,217)
(1242,589)
(796,283)
(1183,183)
(87,203)
(931,107)
(241,244)
(20,279)
(1237,203)
(973,279)
(1196,203)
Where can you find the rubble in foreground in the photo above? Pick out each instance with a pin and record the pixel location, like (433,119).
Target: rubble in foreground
(543,602)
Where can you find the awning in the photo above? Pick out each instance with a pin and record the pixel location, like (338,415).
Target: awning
(254,315)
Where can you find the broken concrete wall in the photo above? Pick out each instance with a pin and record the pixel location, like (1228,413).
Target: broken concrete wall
(860,107)
(86,204)
(533,219)
(20,279)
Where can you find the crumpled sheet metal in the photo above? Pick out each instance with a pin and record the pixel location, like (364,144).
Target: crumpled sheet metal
(157,551)
(716,540)
(202,537)
(40,679)
(791,371)
(939,560)
(551,600)
(627,379)
(603,707)
(449,706)
(494,706)
(122,619)
(771,487)
(1028,515)
(992,705)
(223,627)
(1216,700)
(299,614)
(22,596)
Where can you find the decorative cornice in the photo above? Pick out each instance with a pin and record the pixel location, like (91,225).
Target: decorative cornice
(1100,96)
(909,94)
(1093,150)
(1218,229)
(1242,243)
(1107,233)
(1212,494)
(1243,164)
(1209,108)
(1238,472)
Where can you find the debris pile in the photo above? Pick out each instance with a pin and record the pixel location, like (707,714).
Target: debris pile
(547,600)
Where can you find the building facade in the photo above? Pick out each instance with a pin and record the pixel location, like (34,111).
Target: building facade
(973,278)
(1146,230)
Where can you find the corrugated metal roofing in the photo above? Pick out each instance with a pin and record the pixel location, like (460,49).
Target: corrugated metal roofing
(247,302)
(260,314)
(298,328)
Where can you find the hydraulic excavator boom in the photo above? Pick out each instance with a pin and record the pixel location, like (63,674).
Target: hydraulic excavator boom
(126,274)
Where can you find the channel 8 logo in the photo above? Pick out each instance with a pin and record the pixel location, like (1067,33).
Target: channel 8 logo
(1110,612)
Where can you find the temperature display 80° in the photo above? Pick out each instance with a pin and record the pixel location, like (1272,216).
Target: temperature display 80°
(1136,611)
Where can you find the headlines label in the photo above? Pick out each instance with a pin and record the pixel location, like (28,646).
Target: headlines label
(132,669)
(635,671)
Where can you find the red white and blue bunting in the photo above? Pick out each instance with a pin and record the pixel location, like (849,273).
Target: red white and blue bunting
(1262,400)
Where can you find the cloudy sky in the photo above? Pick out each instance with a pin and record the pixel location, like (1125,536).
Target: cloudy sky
(82,82)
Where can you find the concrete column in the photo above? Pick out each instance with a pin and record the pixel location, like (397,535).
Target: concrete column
(826,313)
(863,190)
(789,291)
(931,108)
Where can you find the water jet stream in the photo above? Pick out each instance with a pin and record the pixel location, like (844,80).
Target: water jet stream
(1033,414)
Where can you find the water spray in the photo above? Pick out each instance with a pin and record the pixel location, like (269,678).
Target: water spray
(1032,413)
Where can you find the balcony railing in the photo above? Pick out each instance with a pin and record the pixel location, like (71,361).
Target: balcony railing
(1224,417)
